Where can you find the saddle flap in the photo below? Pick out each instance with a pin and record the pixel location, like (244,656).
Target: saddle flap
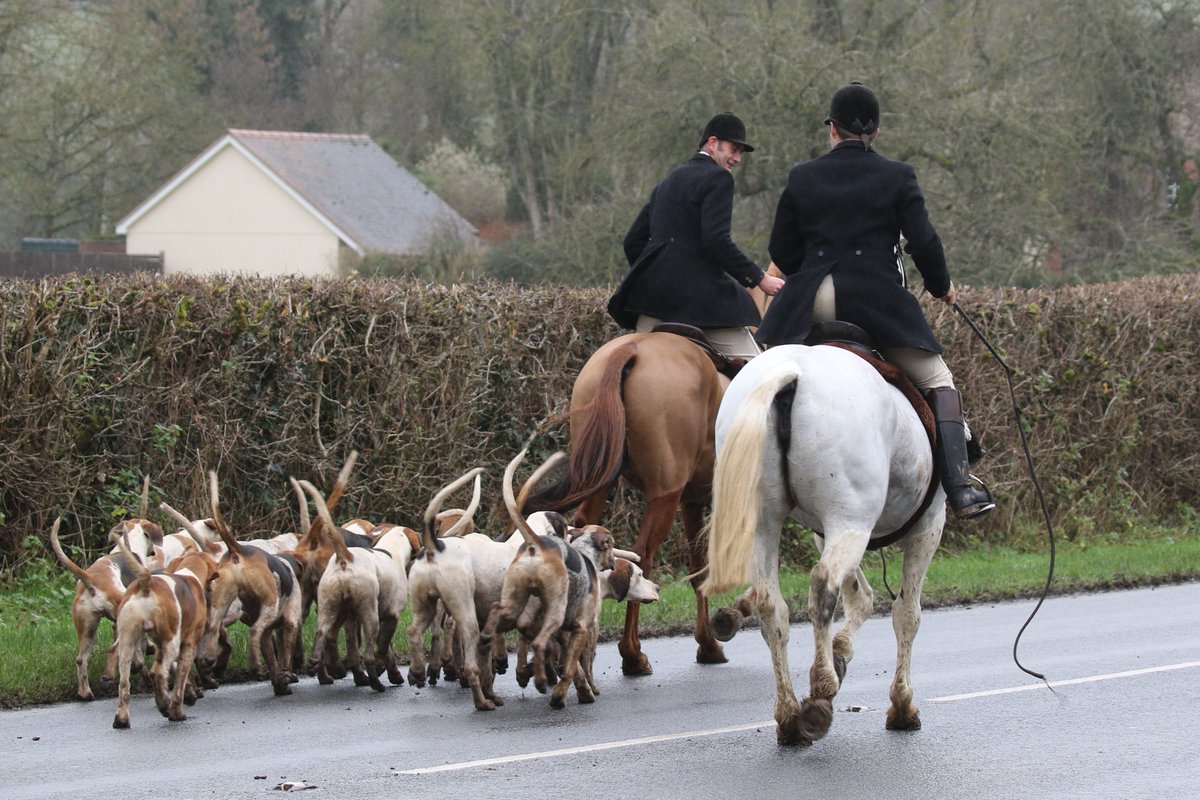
(724,364)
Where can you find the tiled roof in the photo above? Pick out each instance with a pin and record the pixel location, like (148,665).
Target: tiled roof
(357,186)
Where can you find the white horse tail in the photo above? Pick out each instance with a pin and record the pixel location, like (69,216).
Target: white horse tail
(737,484)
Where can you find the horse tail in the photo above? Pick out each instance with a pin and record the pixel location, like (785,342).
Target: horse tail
(737,484)
(598,448)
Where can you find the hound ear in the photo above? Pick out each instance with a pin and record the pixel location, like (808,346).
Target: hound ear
(619,579)
(558,524)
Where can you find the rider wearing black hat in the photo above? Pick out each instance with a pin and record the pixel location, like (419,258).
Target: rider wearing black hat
(836,236)
(684,266)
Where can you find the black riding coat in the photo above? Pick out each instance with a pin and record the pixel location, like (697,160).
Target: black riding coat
(843,213)
(684,266)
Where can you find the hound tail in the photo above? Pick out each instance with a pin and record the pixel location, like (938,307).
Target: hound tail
(76,570)
(139,569)
(235,549)
(598,446)
(429,537)
(737,484)
(327,526)
(189,526)
(302,502)
(311,536)
(510,502)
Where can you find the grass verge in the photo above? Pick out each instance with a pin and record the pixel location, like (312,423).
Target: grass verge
(37,639)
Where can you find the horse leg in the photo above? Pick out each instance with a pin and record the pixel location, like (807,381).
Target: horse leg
(726,622)
(775,629)
(906,619)
(656,523)
(708,650)
(859,600)
(590,509)
(839,560)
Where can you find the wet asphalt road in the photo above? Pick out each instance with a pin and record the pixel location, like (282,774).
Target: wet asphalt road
(1123,722)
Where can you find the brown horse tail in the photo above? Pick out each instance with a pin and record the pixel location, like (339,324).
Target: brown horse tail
(598,451)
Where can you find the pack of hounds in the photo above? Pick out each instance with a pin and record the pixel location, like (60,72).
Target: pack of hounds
(171,598)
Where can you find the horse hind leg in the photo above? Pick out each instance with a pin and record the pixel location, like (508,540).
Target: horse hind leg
(726,622)
(708,648)
(838,561)
(902,714)
(656,523)
(858,599)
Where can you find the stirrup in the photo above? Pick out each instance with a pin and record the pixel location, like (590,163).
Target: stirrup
(979,503)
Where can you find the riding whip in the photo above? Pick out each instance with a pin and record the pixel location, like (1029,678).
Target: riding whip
(1037,486)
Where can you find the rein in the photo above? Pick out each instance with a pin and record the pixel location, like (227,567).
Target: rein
(1037,486)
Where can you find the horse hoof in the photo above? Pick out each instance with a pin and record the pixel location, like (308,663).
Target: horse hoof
(726,623)
(711,655)
(815,717)
(909,720)
(636,666)
(788,734)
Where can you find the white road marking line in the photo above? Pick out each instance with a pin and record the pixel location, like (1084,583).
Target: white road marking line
(669,737)
(591,748)
(1090,679)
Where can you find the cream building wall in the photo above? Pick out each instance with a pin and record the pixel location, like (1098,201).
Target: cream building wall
(231,217)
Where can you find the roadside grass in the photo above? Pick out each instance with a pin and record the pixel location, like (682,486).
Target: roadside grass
(37,638)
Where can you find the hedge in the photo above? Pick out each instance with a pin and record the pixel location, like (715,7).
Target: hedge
(106,379)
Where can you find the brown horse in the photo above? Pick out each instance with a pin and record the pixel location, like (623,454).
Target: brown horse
(644,407)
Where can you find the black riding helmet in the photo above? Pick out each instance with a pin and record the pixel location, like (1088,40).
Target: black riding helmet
(727,126)
(854,108)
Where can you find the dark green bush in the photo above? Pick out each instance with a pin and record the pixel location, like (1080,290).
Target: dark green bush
(106,379)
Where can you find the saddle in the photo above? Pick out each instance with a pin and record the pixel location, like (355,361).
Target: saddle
(849,336)
(724,364)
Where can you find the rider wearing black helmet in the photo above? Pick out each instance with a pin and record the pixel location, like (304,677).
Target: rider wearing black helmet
(837,228)
(684,265)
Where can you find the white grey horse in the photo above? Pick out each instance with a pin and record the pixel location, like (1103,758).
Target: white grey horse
(816,433)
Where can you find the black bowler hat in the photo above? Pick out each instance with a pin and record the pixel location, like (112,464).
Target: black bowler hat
(729,127)
(855,108)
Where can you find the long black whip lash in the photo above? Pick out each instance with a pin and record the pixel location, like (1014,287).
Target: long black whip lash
(1036,485)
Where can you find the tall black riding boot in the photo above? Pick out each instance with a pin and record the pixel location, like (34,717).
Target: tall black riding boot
(966,498)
